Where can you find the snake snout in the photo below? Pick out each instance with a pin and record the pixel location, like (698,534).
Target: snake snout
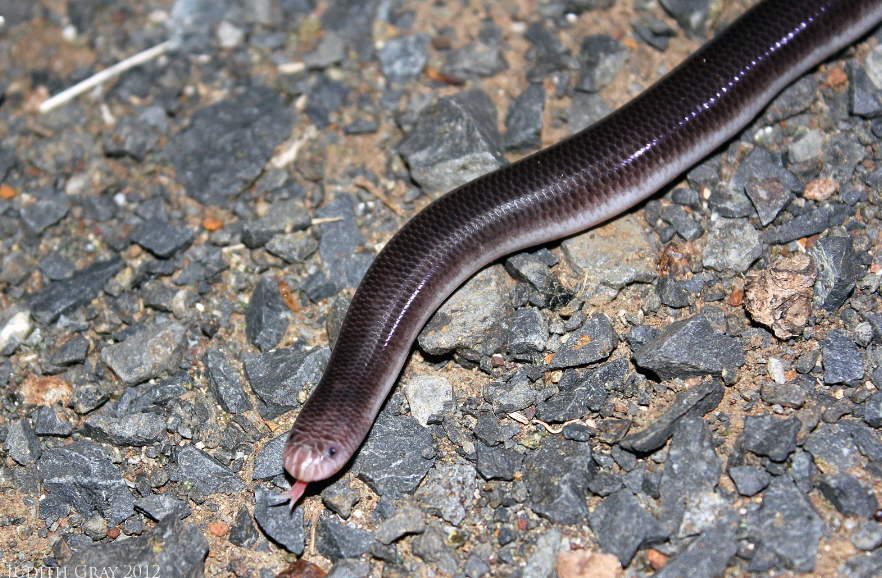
(310,462)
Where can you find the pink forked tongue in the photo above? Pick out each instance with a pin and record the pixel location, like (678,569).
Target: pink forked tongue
(296,492)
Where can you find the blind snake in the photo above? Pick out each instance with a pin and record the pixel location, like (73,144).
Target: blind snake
(568,187)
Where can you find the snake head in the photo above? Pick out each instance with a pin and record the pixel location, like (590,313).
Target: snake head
(308,459)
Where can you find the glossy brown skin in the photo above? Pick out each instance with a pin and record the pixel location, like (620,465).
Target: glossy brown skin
(581,181)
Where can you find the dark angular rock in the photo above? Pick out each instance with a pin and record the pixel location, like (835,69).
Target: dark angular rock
(622,526)
(770,436)
(205,473)
(45,212)
(786,527)
(768,196)
(476,59)
(693,402)
(470,147)
(57,268)
(863,95)
(339,497)
(151,397)
(729,203)
(63,297)
(278,522)
(162,238)
(342,244)
(638,335)
(406,520)
(692,15)
(833,448)
(577,432)
(689,348)
(158,506)
(843,362)
(523,123)
(47,423)
(281,217)
(336,541)
(497,463)
(267,316)
(324,97)
(71,352)
(432,546)
(848,495)
(601,58)
(242,531)
(131,137)
(838,271)
(460,326)
(488,430)
(402,59)
(551,53)
(580,394)
(23,444)
(867,536)
(731,245)
(224,382)
(873,410)
(557,475)
(15,267)
(294,247)
(692,467)
(862,566)
(673,294)
(512,396)
(228,144)
(749,480)
(762,164)
(867,440)
(449,491)
(140,429)
(82,475)
(528,332)
(532,269)
(587,109)
(318,286)
(684,223)
(395,457)
(148,353)
(173,549)
(279,376)
(594,341)
(707,556)
(808,224)
(783,394)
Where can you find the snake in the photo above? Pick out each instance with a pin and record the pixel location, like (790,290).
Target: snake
(579,182)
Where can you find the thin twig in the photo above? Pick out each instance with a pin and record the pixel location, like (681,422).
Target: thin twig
(363,183)
(288,155)
(74,91)
(522,419)
(325,220)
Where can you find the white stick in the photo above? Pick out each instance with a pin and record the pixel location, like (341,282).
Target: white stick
(66,95)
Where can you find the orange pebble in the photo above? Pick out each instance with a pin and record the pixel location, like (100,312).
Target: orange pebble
(219,529)
(735,298)
(212,224)
(836,77)
(656,559)
(7,192)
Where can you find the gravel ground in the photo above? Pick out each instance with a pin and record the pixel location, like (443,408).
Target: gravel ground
(690,389)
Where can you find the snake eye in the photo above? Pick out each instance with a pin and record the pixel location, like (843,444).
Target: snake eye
(332,451)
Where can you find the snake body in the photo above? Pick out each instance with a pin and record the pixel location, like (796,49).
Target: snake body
(561,190)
